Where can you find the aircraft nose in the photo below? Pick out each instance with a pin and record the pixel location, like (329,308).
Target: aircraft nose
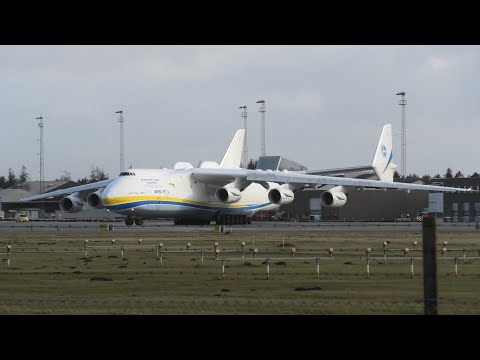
(110,192)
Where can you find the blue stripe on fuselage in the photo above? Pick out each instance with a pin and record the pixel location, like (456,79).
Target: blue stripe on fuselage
(133,204)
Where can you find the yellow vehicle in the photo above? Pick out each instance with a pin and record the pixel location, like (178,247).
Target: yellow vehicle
(21,218)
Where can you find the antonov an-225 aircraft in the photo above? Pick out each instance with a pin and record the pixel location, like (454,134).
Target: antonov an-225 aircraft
(223,192)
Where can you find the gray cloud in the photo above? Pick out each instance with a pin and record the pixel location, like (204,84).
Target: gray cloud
(325,104)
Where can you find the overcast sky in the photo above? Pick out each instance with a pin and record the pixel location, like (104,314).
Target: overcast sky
(326,105)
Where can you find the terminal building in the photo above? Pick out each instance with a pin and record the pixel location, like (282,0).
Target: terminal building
(457,207)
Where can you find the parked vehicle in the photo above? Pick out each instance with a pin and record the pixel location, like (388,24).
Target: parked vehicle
(22,218)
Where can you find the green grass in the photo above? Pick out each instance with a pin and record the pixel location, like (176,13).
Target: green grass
(49,274)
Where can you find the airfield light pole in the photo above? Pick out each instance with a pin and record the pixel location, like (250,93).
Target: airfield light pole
(42,171)
(262,111)
(403,103)
(245,148)
(120,120)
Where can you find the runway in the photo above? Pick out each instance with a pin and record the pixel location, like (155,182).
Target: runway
(255,227)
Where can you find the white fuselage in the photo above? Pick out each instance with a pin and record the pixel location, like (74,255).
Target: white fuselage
(167,193)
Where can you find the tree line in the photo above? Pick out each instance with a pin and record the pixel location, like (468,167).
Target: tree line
(96,174)
(427,178)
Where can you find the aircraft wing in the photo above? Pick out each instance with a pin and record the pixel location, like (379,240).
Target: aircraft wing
(218,177)
(296,178)
(356,171)
(224,176)
(70,190)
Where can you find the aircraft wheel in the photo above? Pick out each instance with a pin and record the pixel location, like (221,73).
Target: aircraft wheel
(128,222)
(139,222)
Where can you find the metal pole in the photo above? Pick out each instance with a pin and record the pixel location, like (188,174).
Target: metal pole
(121,251)
(161,258)
(456,266)
(429,267)
(8,255)
(122,157)
(262,111)
(368,266)
(318,268)
(201,257)
(464,255)
(403,103)
(223,268)
(245,142)
(268,269)
(411,267)
(158,251)
(42,174)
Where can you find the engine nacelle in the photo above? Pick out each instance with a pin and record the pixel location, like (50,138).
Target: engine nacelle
(95,199)
(333,198)
(280,196)
(72,204)
(228,195)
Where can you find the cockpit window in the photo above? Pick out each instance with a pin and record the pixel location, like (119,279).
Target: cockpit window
(126,173)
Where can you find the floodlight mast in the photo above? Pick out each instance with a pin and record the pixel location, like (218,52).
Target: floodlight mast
(245,143)
(262,111)
(122,155)
(42,163)
(403,104)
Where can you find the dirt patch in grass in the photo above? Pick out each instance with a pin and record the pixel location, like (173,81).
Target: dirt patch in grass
(100,278)
(307,289)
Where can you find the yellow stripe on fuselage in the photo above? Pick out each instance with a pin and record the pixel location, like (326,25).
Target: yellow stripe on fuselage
(132,198)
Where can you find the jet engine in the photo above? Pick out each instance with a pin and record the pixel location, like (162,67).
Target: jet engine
(333,198)
(228,195)
(95,199)
(280,196)
(72,203)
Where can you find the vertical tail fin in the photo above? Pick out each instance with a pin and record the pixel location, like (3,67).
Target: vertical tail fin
(233,156)
(383,159)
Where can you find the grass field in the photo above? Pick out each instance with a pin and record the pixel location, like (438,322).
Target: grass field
(49,273)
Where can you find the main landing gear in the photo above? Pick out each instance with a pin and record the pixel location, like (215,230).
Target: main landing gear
(233,220)
(130,221)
